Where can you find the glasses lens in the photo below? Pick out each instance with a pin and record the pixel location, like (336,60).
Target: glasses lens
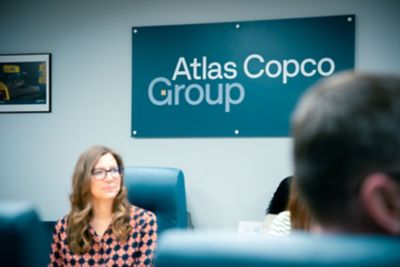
(99,173)
(115,172)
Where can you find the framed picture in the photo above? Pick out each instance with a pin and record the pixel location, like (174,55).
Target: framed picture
(25,83)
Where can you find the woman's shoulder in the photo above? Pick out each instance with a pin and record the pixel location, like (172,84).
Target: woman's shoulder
(61,224)
(63,221)
(138,213)
(281,224)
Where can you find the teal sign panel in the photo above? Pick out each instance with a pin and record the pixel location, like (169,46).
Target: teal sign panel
(235,79)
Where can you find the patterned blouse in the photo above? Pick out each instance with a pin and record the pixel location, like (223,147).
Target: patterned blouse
(138,250)
(281,225)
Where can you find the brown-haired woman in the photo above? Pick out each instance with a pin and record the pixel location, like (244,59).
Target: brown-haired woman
(102,228)
(296,216)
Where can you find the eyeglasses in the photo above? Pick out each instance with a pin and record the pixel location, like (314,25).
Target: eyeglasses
(101,174)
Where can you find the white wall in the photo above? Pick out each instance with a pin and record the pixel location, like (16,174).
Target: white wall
(227,180)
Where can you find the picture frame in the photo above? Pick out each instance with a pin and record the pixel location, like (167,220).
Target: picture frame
(25,83)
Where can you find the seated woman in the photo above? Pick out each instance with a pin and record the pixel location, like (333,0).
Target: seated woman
(102,228)
(294,217)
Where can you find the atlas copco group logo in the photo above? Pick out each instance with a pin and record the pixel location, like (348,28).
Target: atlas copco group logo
(196,72)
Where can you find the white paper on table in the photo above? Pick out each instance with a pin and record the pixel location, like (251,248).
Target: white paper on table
(250,227)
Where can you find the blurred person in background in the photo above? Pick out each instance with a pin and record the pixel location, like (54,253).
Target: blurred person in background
(346,133)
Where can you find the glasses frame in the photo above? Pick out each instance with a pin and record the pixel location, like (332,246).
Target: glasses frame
(118,172)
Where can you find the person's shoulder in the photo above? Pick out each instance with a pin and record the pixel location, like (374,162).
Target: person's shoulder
(63,220)
(280,225)
(140,214)
(61,224)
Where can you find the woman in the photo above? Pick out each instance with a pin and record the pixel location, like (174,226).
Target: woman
(102,228)
(296,216)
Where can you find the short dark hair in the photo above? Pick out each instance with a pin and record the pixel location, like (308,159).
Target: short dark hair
(344,128)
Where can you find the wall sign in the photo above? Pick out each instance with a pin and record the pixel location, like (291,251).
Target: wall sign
(232,79)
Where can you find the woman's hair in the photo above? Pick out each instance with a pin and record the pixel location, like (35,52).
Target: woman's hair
(78,238)
(299,212)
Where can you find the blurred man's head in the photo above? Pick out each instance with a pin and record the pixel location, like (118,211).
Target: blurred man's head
(346,132)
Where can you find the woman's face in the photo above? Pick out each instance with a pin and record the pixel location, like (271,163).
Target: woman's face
(105,178)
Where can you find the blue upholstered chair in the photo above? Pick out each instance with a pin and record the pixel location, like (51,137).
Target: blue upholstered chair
(195,249)
(160,190)
(22,237)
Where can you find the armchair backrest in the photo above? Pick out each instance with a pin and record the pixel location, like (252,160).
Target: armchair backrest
(216,249)
(22,237)
(160,190)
